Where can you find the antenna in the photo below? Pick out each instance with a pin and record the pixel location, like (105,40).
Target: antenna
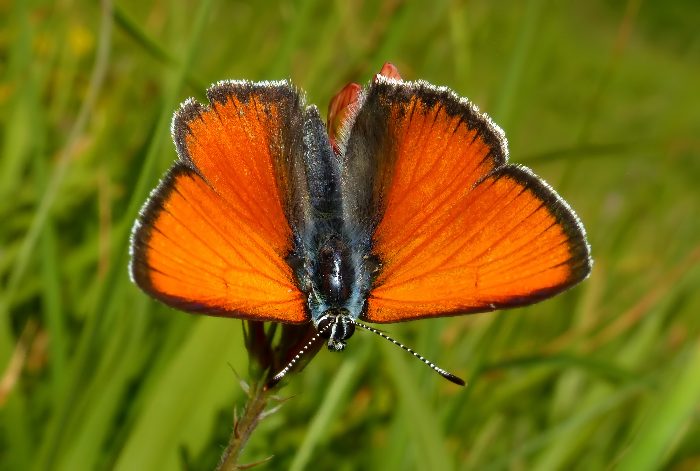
(445,374)
(278,377)
(281,374)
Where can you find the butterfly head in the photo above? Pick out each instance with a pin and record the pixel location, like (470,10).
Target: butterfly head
(336,325)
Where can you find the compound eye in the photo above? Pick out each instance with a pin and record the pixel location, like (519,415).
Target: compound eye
(346,331)
(325,326)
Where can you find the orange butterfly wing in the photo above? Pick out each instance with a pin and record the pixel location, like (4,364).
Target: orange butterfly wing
(214,235)
(458,230)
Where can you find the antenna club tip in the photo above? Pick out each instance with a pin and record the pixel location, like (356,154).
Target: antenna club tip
(274,381)
(448,376)
(454,379)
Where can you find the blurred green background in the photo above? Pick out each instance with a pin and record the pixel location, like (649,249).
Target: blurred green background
(600,98)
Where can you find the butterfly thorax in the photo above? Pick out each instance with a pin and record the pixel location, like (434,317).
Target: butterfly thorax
(331,271)
(335,273)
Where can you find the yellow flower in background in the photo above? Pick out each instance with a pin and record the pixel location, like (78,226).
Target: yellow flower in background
(81,41)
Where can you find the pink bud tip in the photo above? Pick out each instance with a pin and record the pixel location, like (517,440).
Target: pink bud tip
(389,70)
(339,109)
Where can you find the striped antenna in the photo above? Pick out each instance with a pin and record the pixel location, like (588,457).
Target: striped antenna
(278,377)
(445,374)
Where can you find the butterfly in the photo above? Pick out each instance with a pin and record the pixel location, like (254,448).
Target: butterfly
(404,207)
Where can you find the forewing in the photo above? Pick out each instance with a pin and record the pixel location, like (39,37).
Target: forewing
(214,235)
(455,229)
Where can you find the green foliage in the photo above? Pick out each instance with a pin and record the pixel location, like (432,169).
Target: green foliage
(599,98)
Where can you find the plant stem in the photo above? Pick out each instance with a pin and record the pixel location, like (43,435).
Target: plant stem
(244,426)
